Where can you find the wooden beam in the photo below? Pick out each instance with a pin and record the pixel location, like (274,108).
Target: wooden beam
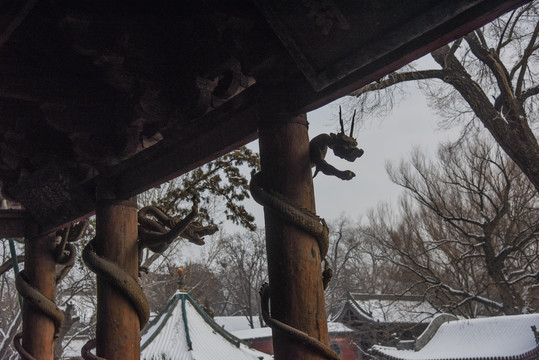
(299,95)
(14,223)
(211,137)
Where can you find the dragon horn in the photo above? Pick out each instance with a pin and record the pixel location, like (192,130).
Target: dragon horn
(352,128)
(340,120)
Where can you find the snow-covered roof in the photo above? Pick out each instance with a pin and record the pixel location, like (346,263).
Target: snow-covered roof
(182,331)
(239,327)
(72,349)
(250,334)
(265,332)
(235,323)
(389,308)
(497,338)
(337,327)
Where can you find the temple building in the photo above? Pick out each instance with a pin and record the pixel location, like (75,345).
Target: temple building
(512,337)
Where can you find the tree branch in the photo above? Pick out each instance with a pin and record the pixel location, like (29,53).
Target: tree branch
(510,38)
(519,63)
(500,41)
(9,264)
(396,78)
(529,93)
(525,57)
(490,59)
(468,297)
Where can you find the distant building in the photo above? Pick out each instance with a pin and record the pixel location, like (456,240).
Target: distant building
(342,338)
(501,338)
(385,319)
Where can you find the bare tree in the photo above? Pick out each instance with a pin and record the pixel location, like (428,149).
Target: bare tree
(472,242)
(344,240)
(359,265)
(490,75)
(243,270)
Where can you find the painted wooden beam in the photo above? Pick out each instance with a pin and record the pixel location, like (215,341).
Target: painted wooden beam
(376,59)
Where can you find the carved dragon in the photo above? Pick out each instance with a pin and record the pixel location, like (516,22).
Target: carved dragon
(157,230)
(343,146)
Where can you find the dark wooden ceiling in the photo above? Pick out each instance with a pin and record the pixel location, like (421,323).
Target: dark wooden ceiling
(133,93)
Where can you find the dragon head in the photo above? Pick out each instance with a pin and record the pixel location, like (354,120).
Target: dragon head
(195,232)
(345,146)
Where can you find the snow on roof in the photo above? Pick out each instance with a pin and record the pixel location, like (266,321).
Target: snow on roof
(239,327)
(235,323)
(250,334)
(72,349)
(392,309)
(182,331)
(484,338)
(337,327)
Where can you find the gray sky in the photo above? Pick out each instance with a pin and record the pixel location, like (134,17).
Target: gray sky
(410,124)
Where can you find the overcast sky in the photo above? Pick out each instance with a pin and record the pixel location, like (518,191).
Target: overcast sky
(410,124)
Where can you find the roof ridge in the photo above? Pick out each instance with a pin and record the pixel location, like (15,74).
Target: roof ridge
(224,333)
(166,312)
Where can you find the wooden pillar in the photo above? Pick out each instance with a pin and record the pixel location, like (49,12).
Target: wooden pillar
(39,272)
(295,276)
(118,327)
